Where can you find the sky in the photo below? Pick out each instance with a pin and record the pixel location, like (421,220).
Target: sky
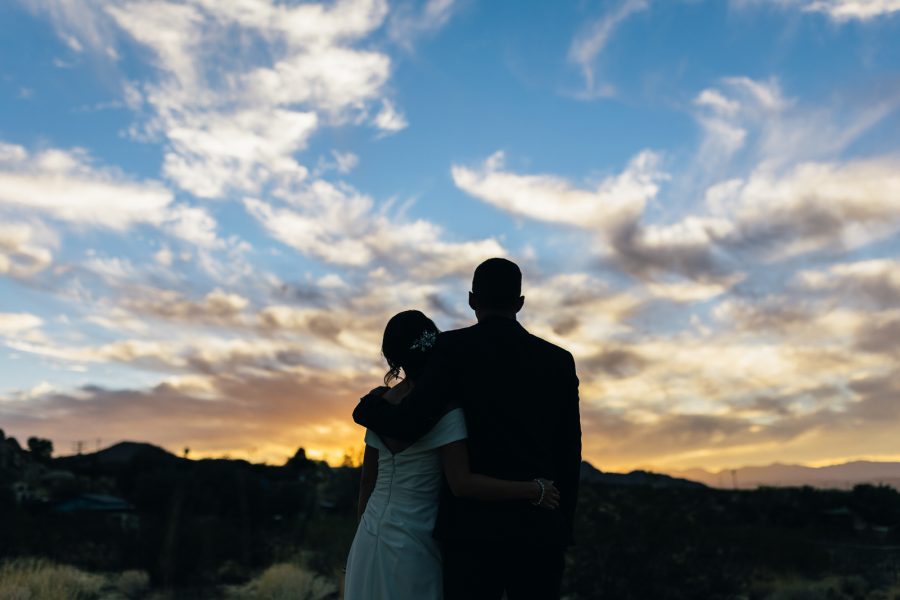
(209,209)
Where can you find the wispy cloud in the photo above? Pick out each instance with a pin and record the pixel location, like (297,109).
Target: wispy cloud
(388,119)
(593,39)
(12,323)
(616,199)
(65,185)
(339,225)
(838,10)
(844,10)
(25,249)
(68,186)
(410,21)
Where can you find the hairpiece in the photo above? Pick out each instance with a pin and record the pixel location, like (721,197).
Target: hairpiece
(424,341)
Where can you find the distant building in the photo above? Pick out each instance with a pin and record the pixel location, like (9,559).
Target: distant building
(111,508)
(93,503)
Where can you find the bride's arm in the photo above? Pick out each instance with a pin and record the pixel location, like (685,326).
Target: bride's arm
(465,484)
(367,479)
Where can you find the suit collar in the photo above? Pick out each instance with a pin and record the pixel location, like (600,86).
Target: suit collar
(500,324)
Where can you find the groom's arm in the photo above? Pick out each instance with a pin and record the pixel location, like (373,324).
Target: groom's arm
(567,455)
(419,411)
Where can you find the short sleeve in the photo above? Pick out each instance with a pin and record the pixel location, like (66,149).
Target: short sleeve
(374,441)
(451,428)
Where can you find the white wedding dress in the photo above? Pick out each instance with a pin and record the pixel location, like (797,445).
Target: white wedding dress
(393,556)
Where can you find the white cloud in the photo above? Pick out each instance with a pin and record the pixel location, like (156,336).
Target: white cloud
(243,85)
(217,306)
(719,103)
(840,11)
(325,232)
(345,161)
(612,212)
(164,256)
(66,186)
(194,225)
(23,249)
(755,122)
(615,200)
(729,112)
(337,224)
(14,323)
(770,214)
(236,120)
(41,389)
(845,10)
(817,206)
(388,119)
(873,280)
(210,152)
(408,22)
(591,41)
(77,23)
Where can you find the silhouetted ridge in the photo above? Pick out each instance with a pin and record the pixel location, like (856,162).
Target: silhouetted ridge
(840,476)
(120,455)
(591,474)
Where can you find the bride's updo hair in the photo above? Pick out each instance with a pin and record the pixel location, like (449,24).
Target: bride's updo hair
(408,339)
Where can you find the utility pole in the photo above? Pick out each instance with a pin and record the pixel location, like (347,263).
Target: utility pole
(734,478)
(78,446)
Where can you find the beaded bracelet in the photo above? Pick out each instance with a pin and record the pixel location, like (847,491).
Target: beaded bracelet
(543,490)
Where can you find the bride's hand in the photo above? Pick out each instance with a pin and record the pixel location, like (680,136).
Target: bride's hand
(551,495)
(379,391)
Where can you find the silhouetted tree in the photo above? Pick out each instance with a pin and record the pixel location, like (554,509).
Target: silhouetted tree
(299,462)
(40,448)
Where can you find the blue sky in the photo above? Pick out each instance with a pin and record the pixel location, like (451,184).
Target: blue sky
(210,209)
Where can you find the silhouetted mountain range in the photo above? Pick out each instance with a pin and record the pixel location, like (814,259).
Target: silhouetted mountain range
(843,476)
(120,454)
(591,474)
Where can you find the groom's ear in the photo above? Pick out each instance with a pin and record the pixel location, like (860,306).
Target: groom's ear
(520,303)
(473,302)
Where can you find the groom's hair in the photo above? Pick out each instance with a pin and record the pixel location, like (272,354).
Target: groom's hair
(497,283)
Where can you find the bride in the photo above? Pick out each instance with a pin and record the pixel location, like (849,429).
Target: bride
(394,556)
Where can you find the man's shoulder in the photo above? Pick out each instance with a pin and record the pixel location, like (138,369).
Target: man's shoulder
(551,350)
(453,336)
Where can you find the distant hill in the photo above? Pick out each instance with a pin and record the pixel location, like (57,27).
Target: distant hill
(841,476)
(121,454)
(591,474)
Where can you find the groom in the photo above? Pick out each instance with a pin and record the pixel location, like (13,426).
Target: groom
(520,397)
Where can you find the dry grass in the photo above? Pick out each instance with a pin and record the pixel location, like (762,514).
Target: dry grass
(133,584)
(286,582)
(835,587)
(36,579)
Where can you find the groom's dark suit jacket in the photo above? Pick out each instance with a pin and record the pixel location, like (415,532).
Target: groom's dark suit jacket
(520,396)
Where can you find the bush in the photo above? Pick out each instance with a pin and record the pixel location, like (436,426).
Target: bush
(287,582)
(133,584)
(35,579)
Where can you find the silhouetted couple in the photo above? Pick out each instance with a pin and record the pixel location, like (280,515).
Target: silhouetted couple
(470,475)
